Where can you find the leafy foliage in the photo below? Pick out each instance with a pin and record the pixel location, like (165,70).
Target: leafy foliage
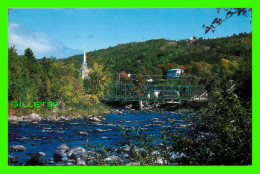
(201,59)
(50,80)
(221,134)
(98,80)
(229,12)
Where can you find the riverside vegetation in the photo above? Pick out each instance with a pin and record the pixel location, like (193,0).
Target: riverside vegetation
(220,134)
(53,81)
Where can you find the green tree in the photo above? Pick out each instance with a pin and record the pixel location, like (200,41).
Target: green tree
(22,77)
(14,73)
(30,61)
(221,134)
(98,81)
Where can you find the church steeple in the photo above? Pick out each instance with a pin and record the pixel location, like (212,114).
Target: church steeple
(84,58)
(84,69)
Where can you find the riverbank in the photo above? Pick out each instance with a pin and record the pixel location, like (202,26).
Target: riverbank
(56,114)
(35,118)
(93,113)
(126,155)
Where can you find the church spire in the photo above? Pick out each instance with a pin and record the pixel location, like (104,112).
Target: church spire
(84,58)
(84,69)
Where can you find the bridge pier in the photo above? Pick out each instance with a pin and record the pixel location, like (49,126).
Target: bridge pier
(138,105)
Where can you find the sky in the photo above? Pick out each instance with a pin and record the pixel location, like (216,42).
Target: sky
(62,33)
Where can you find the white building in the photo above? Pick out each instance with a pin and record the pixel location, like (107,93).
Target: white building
(84,70)
(177,72)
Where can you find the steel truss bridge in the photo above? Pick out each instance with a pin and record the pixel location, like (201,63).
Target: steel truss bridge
(151,92)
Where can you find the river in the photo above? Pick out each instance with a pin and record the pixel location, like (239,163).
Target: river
(46,136)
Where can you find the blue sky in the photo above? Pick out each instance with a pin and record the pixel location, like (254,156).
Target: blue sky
(64,32)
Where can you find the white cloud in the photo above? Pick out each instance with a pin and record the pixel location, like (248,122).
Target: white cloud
(40,43)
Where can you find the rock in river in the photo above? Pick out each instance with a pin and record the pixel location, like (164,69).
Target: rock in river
(132,151)
(123,149)
(59,155)
(133,164)
(79,149)
(94,119)
(35,117)
(63,147)
(36,159)
(51,118)
(80,162)
(13,119)
(12,160)
(19,148)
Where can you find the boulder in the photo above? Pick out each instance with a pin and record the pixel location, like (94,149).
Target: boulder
(132,151)
(94,119)
(64,118)
(13,119)
(59,155)
(111,158)
(80,118)
(63,147)
(77,154)
(155,119)
(35,117)
(50,162)
(19,148)
(160,161)
(133,164)
(79,149)
(51,118)
(114,158)
(155,153)
(80,162)
(123,149)
(12,160)
(36,159)
(175,156)
(125,155)
(26,118)
(83,133)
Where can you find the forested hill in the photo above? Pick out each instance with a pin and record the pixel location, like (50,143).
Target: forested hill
(158,55)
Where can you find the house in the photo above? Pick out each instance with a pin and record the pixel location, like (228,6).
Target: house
(123,75)
(149,80)
(173,73)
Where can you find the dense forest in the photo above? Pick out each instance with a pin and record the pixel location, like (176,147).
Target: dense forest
(49,80)
(208,63)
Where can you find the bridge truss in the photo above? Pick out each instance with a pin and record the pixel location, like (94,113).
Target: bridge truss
(150,92)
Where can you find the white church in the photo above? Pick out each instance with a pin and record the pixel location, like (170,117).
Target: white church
(84,70)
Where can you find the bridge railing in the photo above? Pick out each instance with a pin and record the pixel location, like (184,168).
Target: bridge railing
(150,92)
